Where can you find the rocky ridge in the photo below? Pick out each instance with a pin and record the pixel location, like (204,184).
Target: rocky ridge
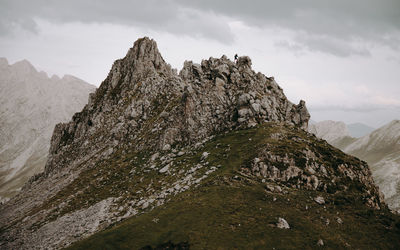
(143,137)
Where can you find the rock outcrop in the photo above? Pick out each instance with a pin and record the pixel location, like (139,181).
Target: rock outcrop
(135,145)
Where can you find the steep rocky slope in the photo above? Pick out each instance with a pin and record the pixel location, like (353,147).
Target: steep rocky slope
(240,204)
(31,104)
(265,176)
(151,140)
(380,148)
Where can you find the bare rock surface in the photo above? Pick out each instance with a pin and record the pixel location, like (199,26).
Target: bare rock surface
(282,224)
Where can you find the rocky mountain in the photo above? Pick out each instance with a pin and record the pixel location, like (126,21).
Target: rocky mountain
(213,157)
(380,148)
(31,104)
(358,130)
(329,130)
(335,132)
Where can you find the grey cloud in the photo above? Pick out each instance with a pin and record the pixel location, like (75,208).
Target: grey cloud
(360,109)
(340,17)
(336,47)
(332,26)
(166,16)
(376,21)
(295,47)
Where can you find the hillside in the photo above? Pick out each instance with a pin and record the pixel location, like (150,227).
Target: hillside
(194,159)
(31,104)
(240,203)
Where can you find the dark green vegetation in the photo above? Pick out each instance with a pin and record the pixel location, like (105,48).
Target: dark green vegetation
(239,215)
(231,210)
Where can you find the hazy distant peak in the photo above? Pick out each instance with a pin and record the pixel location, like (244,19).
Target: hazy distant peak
(43,74)
(311,121)
(388,134)
(393,126)
(338,123)
(390,130)
(31,105)
(70,78)
(3,62)
(24,66)
(55,78)
(329,130)
(357,123)
(358,129)
(394,123)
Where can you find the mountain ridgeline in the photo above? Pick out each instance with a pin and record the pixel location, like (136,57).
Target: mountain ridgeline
(213,157)
(31,104)
(380,148)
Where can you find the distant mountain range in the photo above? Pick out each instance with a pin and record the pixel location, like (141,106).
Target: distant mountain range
(359,129)
(334,129)
(380,148)
(31,104)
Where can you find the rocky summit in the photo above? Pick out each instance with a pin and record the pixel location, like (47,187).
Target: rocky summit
(213,157)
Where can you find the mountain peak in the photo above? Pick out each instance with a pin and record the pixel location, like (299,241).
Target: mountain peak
(394,123)
(70,78)
(329,130)
(141,61)
(55,78)
(24,66)
(145,54)
(3,62)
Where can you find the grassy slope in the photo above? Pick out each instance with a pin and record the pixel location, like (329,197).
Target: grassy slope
(229,210)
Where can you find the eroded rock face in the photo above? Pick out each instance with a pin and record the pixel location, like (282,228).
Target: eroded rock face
(314,171)
(145,102)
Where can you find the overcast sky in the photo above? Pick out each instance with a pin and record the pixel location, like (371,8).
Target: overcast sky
(342,57)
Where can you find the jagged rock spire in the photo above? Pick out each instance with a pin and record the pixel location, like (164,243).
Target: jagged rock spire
(143,59)
(145,54)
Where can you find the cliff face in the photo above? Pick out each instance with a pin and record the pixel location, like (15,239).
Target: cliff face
(141,140)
